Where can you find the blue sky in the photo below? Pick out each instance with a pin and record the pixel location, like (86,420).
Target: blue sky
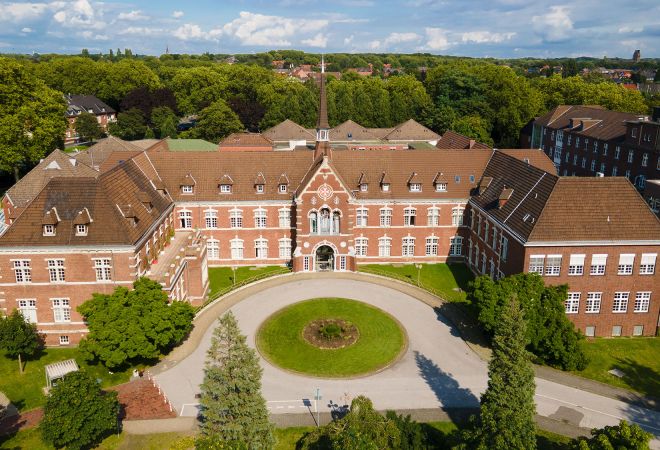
(496,28)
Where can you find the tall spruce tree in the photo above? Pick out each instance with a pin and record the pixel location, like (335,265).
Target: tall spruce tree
(233,410)
(507,407)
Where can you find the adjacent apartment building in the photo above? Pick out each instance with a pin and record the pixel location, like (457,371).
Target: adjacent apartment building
(76,105)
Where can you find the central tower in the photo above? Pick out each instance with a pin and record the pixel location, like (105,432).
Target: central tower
(322,127)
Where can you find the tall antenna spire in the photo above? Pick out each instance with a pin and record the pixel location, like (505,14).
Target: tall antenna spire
(322,125)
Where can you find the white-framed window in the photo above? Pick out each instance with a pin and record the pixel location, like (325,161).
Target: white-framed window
(361,217)
(605,146)
(602,168)
(342,262)
(103,269)
(486,230)
(572,303)
(431,246)
(385,187)
(620,304)
(56,270)
(409,215)
(384,246)
(385,217)
(595,146)
(590,331)
(647,264)
(642,301)
(185,219)
(260,218)
(211,218)
(187,189)
(415,187)
(576,265)
(504,249)
(361,245)
(236,218)
(626,262)
(23,271)
(213,249)
(236,246)
(593,302)
(536,264)
(260,188)
(282,188)
(457,216)
(285,248)
(628,173)
(64,340)
(553,265)
(284,218)
(631,155)
(615,170)
(598,264)
(261,248)
(225,188)
(81,229)
(306,263)
(61,309)
(617,152)
(638,330)
(49,230)
(616,330)
(593,165)
(584,162)
(28,309)
(441,187)
(433,217)
(456,246)
(575,159)
(408,246)
(364,187)
(567,157)
(493,242)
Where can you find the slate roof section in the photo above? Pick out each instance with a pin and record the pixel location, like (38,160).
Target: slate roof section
(589,121)
(453,140)
(288,131)
(98,153)
(535,157)
(351,131)
(596,209)
(104,197)
(411,130)
(56,164)
(77,104)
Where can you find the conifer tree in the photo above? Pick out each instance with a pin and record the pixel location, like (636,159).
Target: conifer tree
(233,410)
(507,407)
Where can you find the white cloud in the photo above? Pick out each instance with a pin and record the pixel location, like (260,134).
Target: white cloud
(22,12)
(349,40)
(374,45)
(258,29)
(27,30)
(141,31)
(320,40)
(398,38)
(485,37)
(437,39)
(554,26)
(78,14)
(628,29)
(132,16)
(189,32)
(90,35)
(177,14)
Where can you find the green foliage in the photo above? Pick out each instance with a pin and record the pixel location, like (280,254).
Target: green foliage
(363,428)
(233,411)
(622,436)
(474,127)
(197,87)
(130,125)
(164,121)
(88,127)
(216,122)
(288,99)
(412,433)
(130,325)
(19,338)
(32,121)
(78,414)
(506,420)
(550,335)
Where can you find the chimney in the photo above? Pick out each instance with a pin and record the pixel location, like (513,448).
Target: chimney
(472,142)
(504,197)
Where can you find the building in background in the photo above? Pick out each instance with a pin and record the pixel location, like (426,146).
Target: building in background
(77,104)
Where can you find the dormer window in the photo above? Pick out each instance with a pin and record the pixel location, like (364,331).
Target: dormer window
(415,187)
(225,188)
(385,187)
(260,188)
(81,230)
(187,189)
(282,188)
(49,230)
(441,187)
(364,187)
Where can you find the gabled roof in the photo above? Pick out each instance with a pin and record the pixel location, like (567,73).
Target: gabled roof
(590,121)
(535,157)
(288,131)
(411,130)
(351,131)
(56,164)
(453,140)
(109,148)
(100,197)
(87,103)
(246,140)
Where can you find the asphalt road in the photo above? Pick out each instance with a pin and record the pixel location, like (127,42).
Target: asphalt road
(437,370)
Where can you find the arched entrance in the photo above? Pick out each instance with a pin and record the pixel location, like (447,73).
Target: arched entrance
(325,259)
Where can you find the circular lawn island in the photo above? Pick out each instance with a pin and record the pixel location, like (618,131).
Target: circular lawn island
(331,338)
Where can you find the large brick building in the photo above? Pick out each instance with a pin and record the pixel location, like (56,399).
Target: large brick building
(590,140)
(104,217)
(78,104)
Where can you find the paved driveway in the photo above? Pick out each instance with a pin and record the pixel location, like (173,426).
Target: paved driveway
(437,370)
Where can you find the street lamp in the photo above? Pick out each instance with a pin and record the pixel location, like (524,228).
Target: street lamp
(233,276)
(318,398)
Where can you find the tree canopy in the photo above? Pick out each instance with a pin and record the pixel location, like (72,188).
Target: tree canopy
(133,325)
(88,127)
(18,337)
(130,125)
(215,122)
(623,436)
(78,414)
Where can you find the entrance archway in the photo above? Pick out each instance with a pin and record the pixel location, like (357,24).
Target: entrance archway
(325,259)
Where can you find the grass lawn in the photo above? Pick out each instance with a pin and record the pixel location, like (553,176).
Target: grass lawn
(449,281)
(25,391)
(287,438)
(381,338)
(638,358)
(220,278)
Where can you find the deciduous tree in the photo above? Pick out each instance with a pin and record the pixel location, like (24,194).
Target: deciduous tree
(19,338)
(88,127)
(130,325)
(78,414)
(130,125)
(622,436)
(215,122)
(233,410)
